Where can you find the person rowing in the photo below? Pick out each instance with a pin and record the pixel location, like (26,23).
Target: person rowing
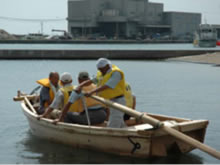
(96,111)
(110,85)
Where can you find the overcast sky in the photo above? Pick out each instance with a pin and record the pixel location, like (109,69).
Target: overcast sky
(57,11)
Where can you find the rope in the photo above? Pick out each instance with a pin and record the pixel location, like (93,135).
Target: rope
(86,110)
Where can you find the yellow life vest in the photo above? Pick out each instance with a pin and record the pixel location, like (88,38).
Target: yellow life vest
(46,83)
(118,90)
(67,92)
(89,101)
(128,96)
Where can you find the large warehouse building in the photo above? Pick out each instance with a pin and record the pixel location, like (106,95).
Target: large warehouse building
(126,19)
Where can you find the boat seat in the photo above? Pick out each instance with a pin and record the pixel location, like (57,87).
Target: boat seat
(170,123)
(146,126)
(131,122)
(141,127)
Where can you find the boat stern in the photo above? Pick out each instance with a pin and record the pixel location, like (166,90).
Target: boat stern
(163,144)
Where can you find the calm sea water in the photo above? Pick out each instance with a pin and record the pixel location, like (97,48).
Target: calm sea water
(171,88)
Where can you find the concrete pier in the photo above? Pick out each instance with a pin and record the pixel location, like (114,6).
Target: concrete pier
(94,54)
(93,41)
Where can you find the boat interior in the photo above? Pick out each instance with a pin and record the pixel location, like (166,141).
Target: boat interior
(132,122)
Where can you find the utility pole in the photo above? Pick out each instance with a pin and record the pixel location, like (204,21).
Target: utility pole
(42,27)
(145,14)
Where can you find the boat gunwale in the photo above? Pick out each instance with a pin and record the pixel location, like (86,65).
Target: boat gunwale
(128,131)
(82,129)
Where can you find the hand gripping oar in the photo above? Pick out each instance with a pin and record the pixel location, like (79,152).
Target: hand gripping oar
(157,123)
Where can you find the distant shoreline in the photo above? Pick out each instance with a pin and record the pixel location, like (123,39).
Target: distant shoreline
(87,52)
(208,58)
(95,54)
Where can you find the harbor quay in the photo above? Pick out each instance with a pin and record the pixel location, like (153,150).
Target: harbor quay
(94,54)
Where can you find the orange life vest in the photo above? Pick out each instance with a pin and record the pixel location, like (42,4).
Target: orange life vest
(46,83)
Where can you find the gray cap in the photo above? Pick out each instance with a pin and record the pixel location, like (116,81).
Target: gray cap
(83,75)
(66,77)
(102,62)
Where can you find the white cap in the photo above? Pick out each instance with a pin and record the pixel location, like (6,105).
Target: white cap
(102,62)
(66,77)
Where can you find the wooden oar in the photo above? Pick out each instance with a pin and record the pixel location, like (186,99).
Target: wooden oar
(29,104)
(156,123)
(26,98)
(20,98)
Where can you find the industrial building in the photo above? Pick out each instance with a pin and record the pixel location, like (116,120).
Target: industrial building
(217,27)
(128,19)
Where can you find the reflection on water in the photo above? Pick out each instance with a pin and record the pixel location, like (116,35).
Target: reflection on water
(45,152)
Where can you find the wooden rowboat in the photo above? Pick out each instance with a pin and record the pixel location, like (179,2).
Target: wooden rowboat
(137,140)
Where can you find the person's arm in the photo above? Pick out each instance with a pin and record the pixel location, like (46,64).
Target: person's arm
(63,114)
(107,112)
(99,89)
(44,96)
(46,113)
(111,83)
(84,83)
(73,97)
(54,105)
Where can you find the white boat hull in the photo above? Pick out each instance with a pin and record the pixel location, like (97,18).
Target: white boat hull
(137,141)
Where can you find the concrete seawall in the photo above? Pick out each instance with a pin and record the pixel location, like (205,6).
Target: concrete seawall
(94,54)
(92,41)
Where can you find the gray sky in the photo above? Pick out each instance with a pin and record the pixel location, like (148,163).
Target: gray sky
(57,9)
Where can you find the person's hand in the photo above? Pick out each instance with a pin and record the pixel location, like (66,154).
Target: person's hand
(39,117)
(145,113)
(56,121)
(78,89)
(88,94)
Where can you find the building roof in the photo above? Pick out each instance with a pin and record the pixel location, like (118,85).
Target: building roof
(179,12)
